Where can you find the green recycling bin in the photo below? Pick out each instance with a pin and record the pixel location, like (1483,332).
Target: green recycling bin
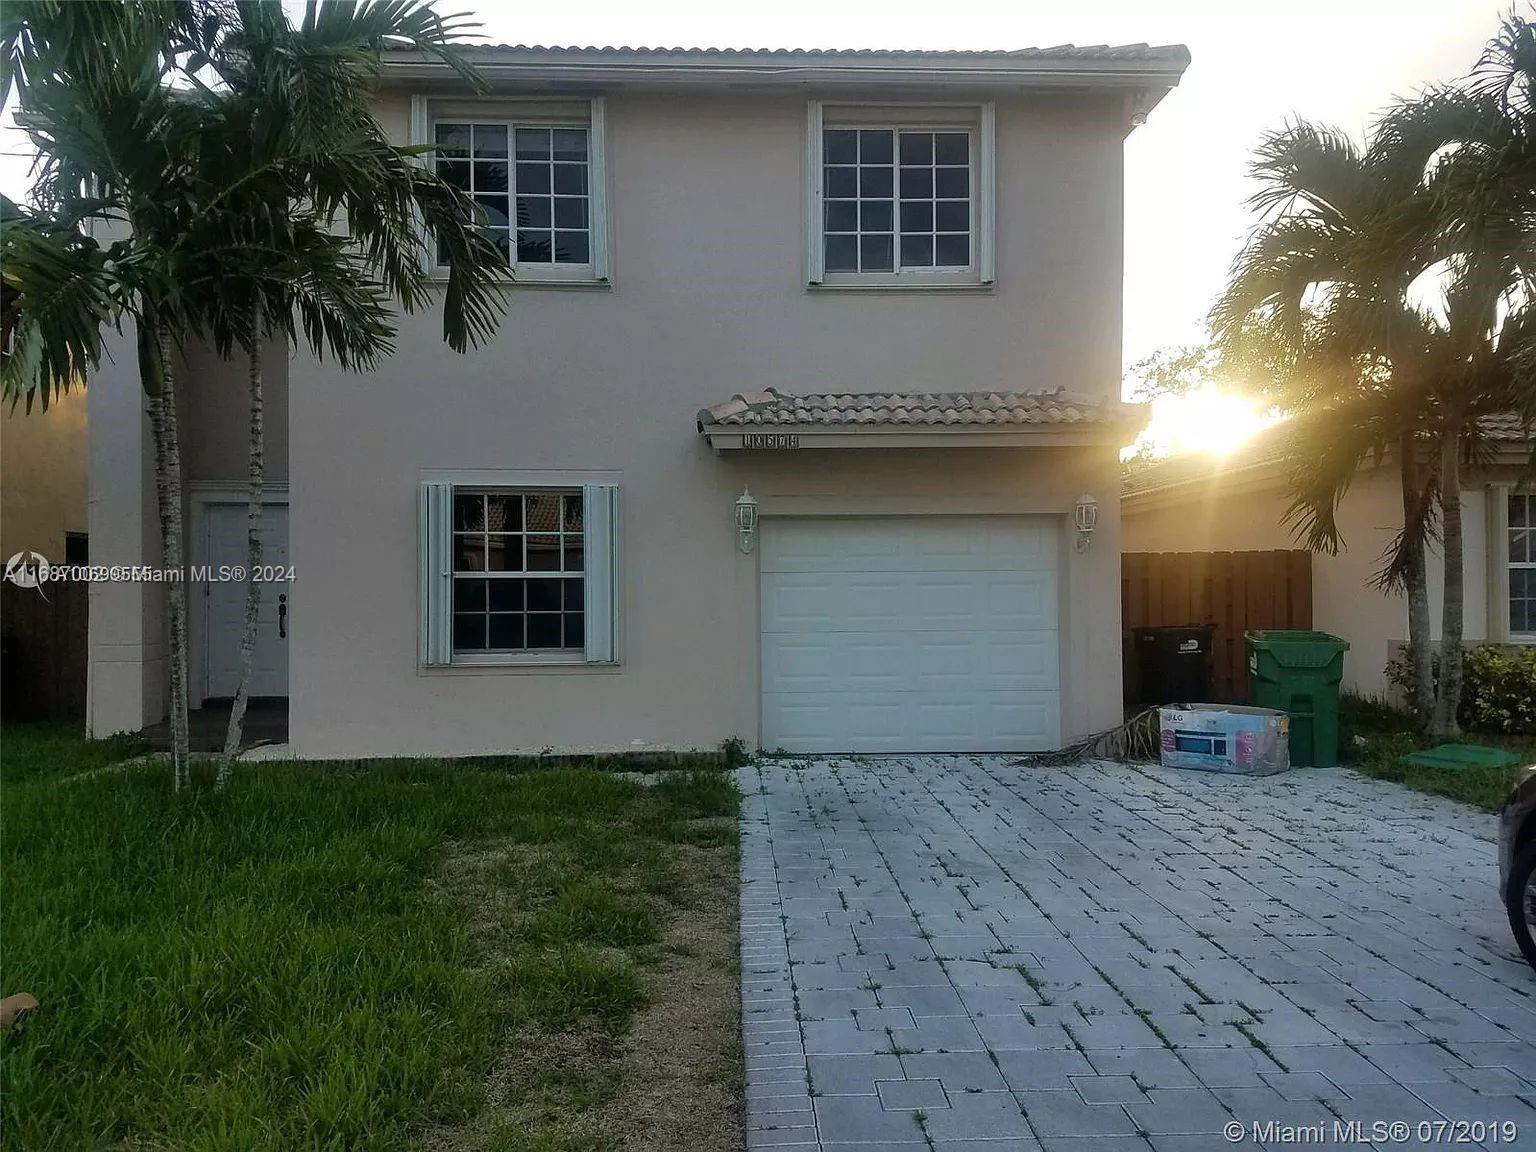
(1298,673)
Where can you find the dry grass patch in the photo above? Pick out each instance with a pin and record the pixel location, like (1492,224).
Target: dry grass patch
(610,950)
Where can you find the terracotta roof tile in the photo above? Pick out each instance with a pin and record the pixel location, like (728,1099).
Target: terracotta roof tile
(1504,426)
(865,409)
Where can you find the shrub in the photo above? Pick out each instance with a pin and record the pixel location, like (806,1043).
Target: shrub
(1498,691)
(736,752)
(1362,719)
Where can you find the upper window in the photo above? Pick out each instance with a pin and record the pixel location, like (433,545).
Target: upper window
(896,199)
(1522,564)
(900,195)
(535,168)
(533,184)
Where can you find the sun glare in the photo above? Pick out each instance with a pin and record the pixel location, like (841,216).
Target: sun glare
(1206,420)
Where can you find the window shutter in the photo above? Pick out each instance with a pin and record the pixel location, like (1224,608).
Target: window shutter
(421,133)
(986,195)
(436,526)
(815,255)
(597,204)
(1497,496)
(601,502)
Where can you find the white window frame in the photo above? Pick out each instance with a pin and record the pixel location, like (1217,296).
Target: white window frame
(977,121)
(600,567)
(424,120)
(1507,566)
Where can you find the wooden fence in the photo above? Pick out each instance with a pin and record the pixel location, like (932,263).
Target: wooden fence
(44,646)
(1233,592)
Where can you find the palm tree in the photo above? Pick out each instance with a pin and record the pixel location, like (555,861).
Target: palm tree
(1388,299)
(1475,143)
(299,101)
(1318,313)
(94,93)
(133,138)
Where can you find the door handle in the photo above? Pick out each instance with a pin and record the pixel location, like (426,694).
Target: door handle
(282,616)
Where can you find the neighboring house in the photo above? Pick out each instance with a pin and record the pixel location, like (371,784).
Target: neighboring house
(42,479)
(1239,503)
(880,291)
(43,512)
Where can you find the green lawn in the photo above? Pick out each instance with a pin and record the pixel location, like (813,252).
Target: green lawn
(345,956)
(1386,735)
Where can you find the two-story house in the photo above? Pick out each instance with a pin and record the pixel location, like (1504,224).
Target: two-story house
(802,424)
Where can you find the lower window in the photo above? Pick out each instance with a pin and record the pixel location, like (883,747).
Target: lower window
(519,572)
(519,566)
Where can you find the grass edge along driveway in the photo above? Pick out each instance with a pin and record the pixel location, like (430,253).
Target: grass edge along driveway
(380,955)
(1374,737)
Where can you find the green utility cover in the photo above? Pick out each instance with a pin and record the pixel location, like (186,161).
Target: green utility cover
(1460,757)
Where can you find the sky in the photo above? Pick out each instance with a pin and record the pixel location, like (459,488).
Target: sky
(1255,66)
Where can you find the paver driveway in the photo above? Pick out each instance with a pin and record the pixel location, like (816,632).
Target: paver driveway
(957,953)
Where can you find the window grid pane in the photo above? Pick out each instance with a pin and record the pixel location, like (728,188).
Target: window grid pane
(553,196)
(474,157)
(859,179)
(537,201)
(935,199)
(1522,563)
(518,580)
(895,199)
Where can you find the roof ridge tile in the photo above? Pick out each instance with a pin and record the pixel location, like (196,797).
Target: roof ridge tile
(948,408)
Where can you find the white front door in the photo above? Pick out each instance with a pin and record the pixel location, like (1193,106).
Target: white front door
(224,546)
(910,634)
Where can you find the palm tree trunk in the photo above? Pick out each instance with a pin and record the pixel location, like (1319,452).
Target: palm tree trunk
(168,492)
(1448,692)
(255,469)
(1416,583)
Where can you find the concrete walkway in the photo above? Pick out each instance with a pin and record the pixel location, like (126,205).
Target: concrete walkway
(959,954)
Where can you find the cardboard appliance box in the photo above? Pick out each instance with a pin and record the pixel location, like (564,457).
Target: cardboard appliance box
(1225,738)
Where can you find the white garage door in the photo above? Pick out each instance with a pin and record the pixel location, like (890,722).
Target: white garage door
(913,634)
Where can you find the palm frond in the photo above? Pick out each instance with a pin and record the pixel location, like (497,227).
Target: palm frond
(1324,450)
(1306,165)
(56,296)
(1507,69)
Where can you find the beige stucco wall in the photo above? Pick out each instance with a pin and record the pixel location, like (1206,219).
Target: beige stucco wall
(216,415)
(1247,514)
(126,681)
(708,299)
(42,475)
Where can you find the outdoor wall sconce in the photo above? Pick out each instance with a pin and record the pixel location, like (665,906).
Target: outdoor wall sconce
(746,519)
(1085,516)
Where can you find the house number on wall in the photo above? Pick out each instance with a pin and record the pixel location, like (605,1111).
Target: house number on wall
(769,440)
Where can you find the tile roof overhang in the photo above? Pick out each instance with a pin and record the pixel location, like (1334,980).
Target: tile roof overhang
(1151,68)
(777,420)
(1505,427)
(1260,463)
